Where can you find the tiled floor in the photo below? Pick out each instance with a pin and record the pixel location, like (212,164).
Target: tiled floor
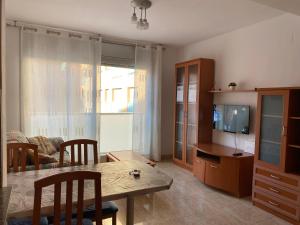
(189,202)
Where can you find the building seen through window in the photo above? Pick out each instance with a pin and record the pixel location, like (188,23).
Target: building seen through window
(117,89)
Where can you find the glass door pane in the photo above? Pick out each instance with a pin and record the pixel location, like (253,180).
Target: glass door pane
(271,128)
(180,78)
(192,106)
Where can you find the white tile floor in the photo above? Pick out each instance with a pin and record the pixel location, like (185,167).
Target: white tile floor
(189,202)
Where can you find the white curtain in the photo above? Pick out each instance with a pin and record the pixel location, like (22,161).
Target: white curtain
(60,84)
(147,102)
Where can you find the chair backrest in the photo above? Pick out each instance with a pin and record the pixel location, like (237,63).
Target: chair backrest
(69,178)
(78,143)
(17,156)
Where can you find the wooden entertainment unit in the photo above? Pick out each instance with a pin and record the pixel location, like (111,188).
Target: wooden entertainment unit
(216,166)
(276,182)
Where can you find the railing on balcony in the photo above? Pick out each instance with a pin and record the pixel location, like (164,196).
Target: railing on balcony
(112,130)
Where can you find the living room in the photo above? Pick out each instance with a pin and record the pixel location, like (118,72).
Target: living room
(188,109)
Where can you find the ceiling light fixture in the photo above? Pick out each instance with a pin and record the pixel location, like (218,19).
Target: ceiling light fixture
(142,22)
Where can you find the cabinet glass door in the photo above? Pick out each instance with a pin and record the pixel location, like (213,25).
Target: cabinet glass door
(179,132)
(272,119)
(192,106)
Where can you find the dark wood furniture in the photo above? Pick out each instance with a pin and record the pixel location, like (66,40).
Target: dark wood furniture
(77,145)
(276,182)
(17,156)
(69,178)
(113,188)
(109,208)
(127,155)
(216,166)
(193,108)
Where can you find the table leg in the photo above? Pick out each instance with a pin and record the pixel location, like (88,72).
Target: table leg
(130,211)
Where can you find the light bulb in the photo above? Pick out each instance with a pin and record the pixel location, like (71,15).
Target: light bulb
(145,24)
(140,24)
(134,18)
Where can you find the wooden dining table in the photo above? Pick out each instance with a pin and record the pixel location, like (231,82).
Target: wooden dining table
(117,183)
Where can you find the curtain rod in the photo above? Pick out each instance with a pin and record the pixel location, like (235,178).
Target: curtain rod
(15,23)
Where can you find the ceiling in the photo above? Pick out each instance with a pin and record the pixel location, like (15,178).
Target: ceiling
(292,6)
(172,22)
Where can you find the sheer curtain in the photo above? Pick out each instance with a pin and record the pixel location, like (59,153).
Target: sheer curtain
(60,79)
(147,102)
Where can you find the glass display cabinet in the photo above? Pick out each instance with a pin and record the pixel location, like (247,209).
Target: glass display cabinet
(193,108)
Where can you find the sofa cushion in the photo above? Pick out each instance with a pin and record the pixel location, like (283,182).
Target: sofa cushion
(43,158)
(44,145)
(67,158)
(56,141)
(16,137)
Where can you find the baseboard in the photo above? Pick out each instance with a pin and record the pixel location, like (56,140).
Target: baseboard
(166,157)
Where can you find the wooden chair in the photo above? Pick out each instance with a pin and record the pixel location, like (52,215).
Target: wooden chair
(17,156)
(109,209)
(69,178)
(79,142)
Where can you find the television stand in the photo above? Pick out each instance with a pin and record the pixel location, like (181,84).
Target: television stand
(217,166)
(237,154)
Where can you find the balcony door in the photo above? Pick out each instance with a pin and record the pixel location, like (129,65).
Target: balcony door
(115,111)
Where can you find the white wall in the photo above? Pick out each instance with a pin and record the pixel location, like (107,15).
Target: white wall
(12,80)
(266,54)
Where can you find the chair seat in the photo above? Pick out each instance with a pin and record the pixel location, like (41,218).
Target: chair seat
(108,208)
(43,221)
(74,222)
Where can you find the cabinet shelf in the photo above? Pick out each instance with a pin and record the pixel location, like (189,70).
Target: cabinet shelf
(295,117)
(295,146)
(233,91)
(271,142)
(272,116)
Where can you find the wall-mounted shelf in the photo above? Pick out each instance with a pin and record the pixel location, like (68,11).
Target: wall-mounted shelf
(234,91)
(295,117)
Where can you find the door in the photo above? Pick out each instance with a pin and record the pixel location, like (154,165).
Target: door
(192,110)
(271,128)
(180,112)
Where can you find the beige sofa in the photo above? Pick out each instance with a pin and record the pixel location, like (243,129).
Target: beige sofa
(48,148)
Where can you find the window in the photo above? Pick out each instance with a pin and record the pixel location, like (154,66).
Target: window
(130,97)
(117,84)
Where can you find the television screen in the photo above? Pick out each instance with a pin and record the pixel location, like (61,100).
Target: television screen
(232,118)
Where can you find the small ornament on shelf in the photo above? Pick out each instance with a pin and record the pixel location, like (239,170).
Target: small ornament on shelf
(232,86)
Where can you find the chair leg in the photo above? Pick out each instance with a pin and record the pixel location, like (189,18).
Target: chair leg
(114,219)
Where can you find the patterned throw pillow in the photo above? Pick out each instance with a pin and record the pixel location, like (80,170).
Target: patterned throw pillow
(16,137)
(44,145)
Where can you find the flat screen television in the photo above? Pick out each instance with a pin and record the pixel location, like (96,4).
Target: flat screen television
(232,118)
